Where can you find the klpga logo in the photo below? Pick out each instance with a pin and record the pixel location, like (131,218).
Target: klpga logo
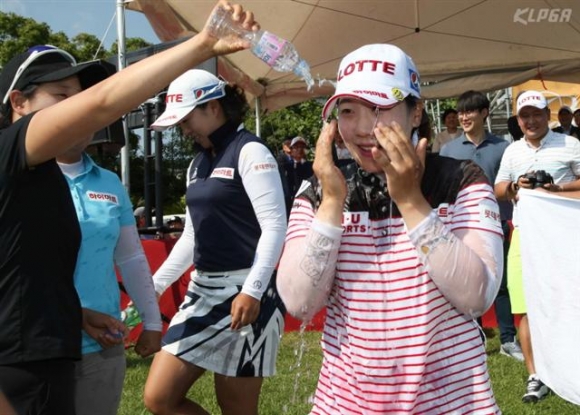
(530,15)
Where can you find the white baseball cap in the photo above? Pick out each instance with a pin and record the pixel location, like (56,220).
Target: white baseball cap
(380,74)
(531,99)
(191,89)
(297,140)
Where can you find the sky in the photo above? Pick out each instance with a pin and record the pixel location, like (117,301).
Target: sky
(82,16)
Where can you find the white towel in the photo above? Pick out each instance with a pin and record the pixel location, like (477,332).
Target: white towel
(550,249)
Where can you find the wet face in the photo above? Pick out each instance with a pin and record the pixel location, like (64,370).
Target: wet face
(533,122)
(472,121)
(338,140)
(357,120)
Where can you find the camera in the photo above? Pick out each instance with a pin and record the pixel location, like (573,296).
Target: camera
(538,178)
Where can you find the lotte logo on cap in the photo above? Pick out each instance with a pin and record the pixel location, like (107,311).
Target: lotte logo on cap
(530,98)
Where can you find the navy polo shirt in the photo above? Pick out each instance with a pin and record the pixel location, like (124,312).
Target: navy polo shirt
(487,155)
(224,222)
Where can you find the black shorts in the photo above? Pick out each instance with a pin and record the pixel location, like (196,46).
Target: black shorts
(44,387)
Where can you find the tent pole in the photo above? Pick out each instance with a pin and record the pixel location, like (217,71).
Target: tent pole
(508,100)
(438,115)
(258,120)
(122,62)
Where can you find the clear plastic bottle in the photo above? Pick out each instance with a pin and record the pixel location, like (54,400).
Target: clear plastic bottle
(278,53)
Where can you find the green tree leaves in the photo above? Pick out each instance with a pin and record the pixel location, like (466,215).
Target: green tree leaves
(302,119)
(18,33)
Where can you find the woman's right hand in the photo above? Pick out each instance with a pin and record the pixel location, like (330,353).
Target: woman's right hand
(231,43)
(330,177)
(149,342)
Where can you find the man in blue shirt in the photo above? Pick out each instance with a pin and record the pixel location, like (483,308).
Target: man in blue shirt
(486,150)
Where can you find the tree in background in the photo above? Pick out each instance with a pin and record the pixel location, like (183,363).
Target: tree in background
(18,33)
(302,119)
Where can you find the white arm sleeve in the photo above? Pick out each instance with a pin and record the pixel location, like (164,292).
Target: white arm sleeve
(466,264)
(181,256)
(261,180)
(178,261)
(307,269)
(131,261)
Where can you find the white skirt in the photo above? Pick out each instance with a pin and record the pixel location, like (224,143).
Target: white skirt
(200,332)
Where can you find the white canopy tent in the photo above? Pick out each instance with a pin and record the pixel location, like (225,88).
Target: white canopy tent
(456,44)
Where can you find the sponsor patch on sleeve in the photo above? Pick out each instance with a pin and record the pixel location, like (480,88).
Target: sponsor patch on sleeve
(443,210)
(489,214)
(264,167)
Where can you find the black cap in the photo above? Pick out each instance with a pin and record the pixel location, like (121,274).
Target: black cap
(42,64)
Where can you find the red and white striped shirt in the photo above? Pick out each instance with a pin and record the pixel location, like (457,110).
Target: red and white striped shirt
(395,340)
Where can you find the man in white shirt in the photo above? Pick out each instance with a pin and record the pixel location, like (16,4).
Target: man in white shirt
(540,150)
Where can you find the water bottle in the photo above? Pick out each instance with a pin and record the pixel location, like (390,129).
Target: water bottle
(278,53)
(130,316)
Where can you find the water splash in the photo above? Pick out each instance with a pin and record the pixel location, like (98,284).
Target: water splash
(299,353)
(324,81)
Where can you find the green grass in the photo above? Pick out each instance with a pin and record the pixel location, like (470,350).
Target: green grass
(290,391)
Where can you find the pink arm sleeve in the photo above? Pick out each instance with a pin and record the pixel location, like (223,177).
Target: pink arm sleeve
(307,270)
(465,264)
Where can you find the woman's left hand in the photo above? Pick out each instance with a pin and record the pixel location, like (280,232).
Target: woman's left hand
(245,310)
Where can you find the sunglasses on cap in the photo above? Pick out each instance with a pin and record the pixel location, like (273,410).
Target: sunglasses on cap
(36,52)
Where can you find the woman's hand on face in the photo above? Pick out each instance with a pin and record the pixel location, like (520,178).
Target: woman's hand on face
(400,161)
(231,43)
(331,178)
